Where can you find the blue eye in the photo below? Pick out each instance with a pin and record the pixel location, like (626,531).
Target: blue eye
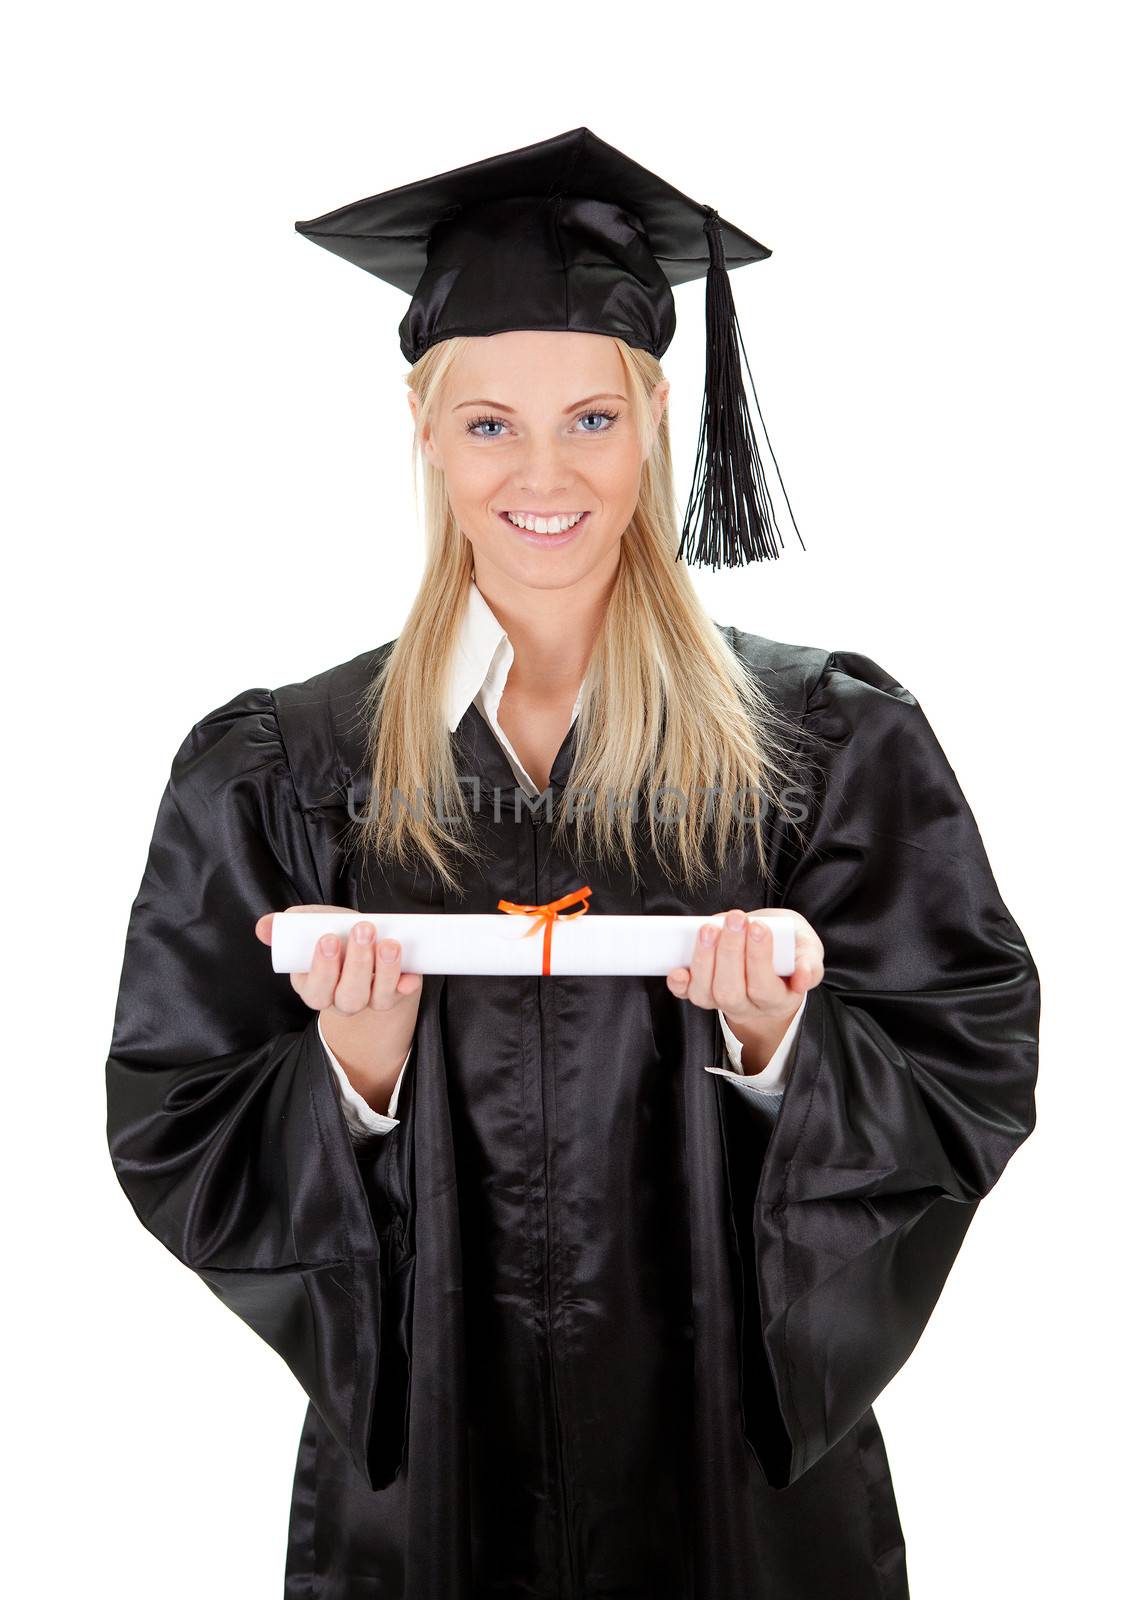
(484,422)
(475,424)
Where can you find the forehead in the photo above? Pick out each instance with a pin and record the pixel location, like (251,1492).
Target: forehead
(536,366)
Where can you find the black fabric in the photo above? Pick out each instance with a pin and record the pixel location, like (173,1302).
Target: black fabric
(587,1322)
(568,233)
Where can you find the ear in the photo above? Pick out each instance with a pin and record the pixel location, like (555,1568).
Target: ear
(426,443)
(658,398)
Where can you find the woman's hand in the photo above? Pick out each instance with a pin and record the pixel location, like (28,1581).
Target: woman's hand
(732,972)
(367,1004)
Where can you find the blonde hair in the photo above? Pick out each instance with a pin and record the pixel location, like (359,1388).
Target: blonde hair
(667,704)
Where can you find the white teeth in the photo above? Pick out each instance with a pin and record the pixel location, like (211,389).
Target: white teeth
(544,524)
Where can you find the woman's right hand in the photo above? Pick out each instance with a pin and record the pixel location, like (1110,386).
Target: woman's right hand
(367,1004)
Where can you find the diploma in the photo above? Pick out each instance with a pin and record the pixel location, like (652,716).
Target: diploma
(499,945)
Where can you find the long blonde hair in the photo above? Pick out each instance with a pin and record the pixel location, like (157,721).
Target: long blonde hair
(665,700)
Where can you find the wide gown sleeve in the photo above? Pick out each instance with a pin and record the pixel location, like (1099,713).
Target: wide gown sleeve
(912,1079)
(224,1122)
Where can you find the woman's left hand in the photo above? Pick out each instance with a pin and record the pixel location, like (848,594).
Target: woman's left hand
(732,972)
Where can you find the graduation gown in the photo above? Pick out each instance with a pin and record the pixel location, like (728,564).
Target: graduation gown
(589,1321)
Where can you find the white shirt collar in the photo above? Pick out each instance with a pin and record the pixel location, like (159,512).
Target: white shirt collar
(483,657)
(482,644)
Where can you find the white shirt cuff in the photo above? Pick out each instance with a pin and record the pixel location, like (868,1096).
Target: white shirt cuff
(772,1077)
(362,1119)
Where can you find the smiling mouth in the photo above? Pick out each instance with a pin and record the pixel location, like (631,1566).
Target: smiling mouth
(529,522)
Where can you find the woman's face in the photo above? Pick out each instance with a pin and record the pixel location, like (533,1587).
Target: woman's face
(538,423)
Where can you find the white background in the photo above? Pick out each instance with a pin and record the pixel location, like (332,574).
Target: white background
(209,488)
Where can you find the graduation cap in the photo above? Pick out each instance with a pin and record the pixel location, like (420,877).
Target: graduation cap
(571,234)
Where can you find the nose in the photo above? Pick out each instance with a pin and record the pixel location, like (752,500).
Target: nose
(542,471)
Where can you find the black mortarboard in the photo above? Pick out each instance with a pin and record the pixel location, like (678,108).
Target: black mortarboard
(571,234)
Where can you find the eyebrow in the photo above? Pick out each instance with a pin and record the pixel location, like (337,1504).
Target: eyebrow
(498,406)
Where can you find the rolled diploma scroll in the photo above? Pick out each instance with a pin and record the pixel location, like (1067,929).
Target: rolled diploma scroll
(502,944)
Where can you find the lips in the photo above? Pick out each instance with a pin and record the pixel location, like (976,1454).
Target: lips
(549,541)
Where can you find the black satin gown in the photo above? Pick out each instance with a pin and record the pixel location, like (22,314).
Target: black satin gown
(587,1322)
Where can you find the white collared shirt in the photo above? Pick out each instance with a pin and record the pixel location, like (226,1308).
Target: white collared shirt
(482,662)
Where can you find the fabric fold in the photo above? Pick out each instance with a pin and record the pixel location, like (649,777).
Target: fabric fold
(912,1081)
(224,1123)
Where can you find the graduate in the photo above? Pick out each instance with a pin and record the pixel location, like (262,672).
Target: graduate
(591,1283)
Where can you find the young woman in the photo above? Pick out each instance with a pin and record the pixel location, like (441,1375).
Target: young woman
(590,1282)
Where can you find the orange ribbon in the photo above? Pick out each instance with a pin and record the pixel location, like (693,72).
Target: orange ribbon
(547,915)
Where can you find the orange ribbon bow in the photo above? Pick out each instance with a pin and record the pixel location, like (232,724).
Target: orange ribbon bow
(547,915)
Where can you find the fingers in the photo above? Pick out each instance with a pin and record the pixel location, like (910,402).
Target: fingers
(808,969)
(732,965)
(727,980)
(391,984)
(808,960)
(317,987)
(368,973)
(695,982)
(764,989)
(353,989)
(716,978)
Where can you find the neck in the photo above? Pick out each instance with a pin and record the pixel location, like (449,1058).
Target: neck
(553,631)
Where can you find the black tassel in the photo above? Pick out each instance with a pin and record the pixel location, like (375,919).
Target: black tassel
(730,519)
